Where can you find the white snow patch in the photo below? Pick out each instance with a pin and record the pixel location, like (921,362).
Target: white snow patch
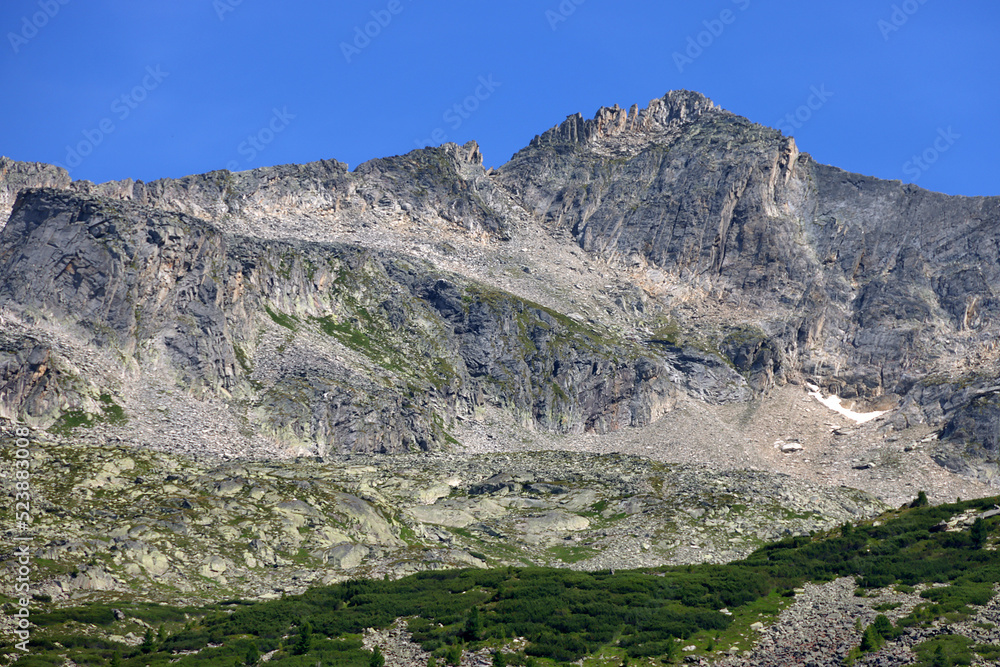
(833,402)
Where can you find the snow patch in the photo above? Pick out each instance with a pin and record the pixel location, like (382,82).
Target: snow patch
(833,402)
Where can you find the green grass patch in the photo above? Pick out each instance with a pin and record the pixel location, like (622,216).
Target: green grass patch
(571,554)
(110,413)
(281,319)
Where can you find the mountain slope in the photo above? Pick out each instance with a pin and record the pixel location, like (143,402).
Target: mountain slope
(612,266)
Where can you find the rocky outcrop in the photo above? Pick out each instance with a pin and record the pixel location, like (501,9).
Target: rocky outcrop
(16,176)
(446,185)
(972,434)
(324,346)
(862,285)
(154,525)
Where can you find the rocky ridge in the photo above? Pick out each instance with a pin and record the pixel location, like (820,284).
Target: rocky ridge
(703,235)
(821,628)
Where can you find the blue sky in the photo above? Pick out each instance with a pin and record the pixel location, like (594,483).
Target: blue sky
(900,89)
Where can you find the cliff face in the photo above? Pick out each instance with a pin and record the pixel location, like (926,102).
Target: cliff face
(367,310)
(866,286)
(16,176)
(860,274)
(329,347)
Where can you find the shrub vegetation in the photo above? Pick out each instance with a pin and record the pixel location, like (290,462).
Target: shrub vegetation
(564,615)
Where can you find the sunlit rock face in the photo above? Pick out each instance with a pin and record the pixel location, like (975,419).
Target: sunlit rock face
(612,269)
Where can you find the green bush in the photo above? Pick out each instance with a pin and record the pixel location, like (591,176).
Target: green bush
(565,615)
(944,650)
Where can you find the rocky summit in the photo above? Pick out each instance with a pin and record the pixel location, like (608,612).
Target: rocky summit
(623,347)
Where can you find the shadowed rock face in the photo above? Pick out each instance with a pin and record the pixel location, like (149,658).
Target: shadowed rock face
(15,176)
(972,434)
(875,290)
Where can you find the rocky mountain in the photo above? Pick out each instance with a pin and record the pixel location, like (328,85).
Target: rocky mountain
(867,286)
(335,311)
(667,282)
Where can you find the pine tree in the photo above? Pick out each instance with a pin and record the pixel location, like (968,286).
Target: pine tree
(304,643)
(473,630)
(870,640)
(253,655)
(376,659)
(979,533)
(883,626)
(147,642)
(940,659)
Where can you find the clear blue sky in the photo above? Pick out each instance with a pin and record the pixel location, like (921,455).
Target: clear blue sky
(151,89)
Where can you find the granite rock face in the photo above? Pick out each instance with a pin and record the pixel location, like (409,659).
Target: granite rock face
(862,274)
(326,347)
(366,310)
(16,176)
(864,286)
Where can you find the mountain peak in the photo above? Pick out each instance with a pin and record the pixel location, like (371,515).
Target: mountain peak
(676,107)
